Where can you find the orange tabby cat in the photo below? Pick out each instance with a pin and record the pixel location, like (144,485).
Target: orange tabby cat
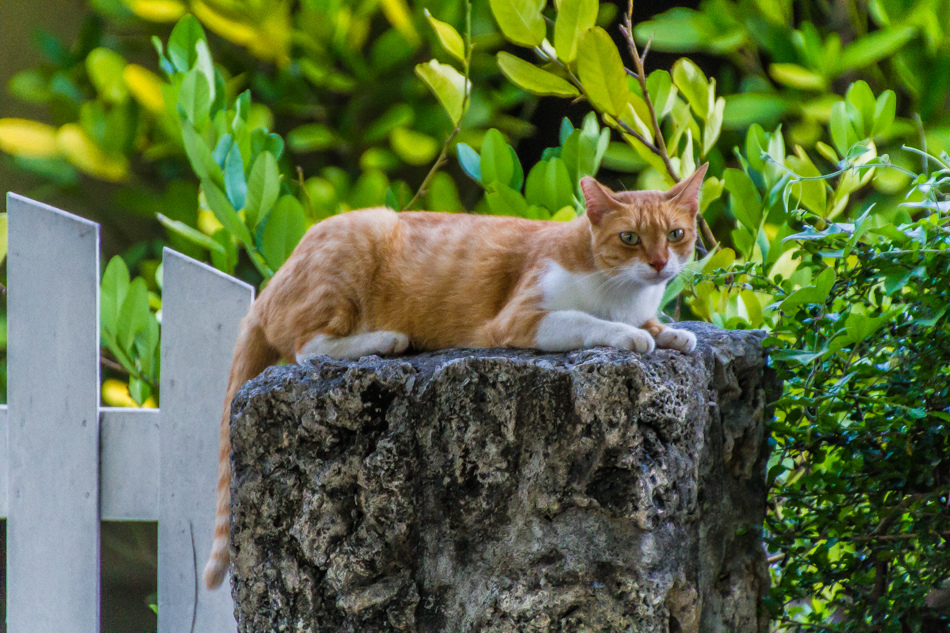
(378,282)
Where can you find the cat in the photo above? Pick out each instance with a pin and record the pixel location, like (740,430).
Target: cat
(379,282)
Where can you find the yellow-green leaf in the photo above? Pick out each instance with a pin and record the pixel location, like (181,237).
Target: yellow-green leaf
(574,18)
(157,10)
(105,67)
(520,20)
(795,76)
(874,47)
(398,14)
(533,79)
(31,139)
(447,84)
(601,72)
(3,236)
(449,38)
(812,193)
(693,85)
(82,152)
(414,148)
(565,214)
(145,86)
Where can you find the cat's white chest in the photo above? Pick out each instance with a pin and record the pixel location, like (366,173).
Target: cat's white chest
(604,297)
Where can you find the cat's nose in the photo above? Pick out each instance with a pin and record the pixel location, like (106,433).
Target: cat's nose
(658,264)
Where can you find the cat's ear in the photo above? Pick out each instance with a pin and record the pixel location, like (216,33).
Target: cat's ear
(598,199)
(686,193)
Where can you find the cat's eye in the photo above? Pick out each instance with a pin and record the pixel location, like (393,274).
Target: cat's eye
(630,239)
(676,235)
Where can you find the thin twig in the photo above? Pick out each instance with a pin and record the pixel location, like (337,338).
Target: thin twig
(660,148)
(111,364)
(443,155)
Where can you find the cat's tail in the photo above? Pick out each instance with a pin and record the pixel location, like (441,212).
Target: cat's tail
(252,355)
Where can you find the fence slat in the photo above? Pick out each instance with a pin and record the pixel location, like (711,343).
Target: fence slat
(4,460)
(129,464)
(53,421)
(201,312)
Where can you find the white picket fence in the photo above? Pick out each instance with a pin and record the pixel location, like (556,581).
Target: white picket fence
(67,463)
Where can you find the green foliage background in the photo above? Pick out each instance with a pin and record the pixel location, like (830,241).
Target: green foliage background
(253,120)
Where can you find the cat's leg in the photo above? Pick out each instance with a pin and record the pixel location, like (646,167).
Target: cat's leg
(355,346)
(565,330)
(670,338)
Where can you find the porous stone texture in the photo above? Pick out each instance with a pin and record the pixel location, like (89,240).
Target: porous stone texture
(505,490)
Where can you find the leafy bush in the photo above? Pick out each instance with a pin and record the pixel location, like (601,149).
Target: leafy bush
(816,225)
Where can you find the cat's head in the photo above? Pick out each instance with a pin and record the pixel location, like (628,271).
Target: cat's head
(645,236)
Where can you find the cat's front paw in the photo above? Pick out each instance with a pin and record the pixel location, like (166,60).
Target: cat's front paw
(631,338)
(384,343)
(680,340)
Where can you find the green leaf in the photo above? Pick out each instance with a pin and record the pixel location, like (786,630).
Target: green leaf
(400,115)
(262,189)
(191,234)
(794,76)
(885,108)
(746,204)
(234,183)
(310,137)
(3,236)
(226,259)
(842,132)
(205,66)
(503,200)
(520,20)
(414,148)
(470,161)
(199,154)
(566,214)
(873,48)
(713,125)
(693,85)
(812,193)
(447,84)
(496,161)
(224,211)
(533,79)
(133,314)
(283,229)
(742,110)
(580,155)
(679,29)
(105,68)
(662,92)
(112,293)
(601,72)
(182,43)
(449,38)
(517,177)
(817,293)
(574,18)
(194,99)
(566,128)
(860,96)
(558,185)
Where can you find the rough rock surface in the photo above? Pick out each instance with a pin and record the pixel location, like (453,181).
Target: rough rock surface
(505,490)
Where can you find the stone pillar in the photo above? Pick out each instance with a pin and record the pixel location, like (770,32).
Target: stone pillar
(505,490)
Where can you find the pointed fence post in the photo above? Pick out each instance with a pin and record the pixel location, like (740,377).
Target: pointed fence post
(53,420)
(201,312)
